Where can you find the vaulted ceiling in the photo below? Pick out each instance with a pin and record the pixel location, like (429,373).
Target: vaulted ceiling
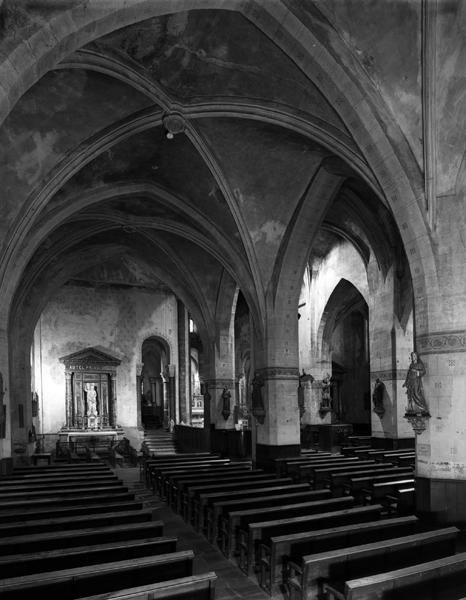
(90,175)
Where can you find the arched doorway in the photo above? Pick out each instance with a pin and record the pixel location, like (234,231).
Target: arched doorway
(154,392)
(347,338)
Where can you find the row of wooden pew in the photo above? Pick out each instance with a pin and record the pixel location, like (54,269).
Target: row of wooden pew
(321,526)
(77,531)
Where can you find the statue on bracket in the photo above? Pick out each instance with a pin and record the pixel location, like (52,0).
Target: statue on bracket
(226,397)
(417,411)
(326,401)
(413,384)
(377,397)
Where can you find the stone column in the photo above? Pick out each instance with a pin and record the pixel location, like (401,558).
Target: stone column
(390,345)
(183,363)
(139,377)
(441,447)
(113,411)
(171,395)
(165,397)
(69,401)
(279,435)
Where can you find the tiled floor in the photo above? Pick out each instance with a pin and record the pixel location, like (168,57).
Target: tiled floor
(232,584)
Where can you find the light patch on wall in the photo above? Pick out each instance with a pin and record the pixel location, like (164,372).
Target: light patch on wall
(270,232)
(33,163)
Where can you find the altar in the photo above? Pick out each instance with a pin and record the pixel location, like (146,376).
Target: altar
(90,397)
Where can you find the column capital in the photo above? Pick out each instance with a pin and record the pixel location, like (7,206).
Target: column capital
(281,373)
(219,383)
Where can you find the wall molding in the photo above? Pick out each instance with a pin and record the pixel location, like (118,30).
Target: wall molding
(442,342)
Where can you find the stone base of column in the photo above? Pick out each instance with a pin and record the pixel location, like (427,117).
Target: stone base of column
(441,500)
(392,443)
(266,454)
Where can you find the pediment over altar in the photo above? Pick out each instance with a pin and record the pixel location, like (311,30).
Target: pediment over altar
(90,359)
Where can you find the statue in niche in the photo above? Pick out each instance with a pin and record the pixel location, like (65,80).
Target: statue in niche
(91,396)
(413,384)
(377,397)
(326,402)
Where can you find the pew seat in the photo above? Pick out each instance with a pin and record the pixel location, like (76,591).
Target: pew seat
(70,584)
(195,587)
(276,551)
(328,571)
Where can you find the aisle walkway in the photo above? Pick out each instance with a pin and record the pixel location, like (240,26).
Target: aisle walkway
(232,584)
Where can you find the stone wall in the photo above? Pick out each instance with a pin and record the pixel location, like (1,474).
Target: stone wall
(115,319)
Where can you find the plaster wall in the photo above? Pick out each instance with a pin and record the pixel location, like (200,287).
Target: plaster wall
(114,319)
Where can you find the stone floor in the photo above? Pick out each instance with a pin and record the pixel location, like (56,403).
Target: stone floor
(232,583)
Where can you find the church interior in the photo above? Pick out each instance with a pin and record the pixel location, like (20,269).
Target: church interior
(263,362)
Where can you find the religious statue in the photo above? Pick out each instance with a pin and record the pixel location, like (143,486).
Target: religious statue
(377,397)
(34,404)
(258,409)
(413,384)
(91,396)
(326,395)
(226,396)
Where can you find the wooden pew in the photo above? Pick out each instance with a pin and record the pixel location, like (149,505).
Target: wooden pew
(70,584)
(148,463)
(31,493)
(337,481)
(295,468)
(200,587)
(70,483)
(380,454)
(249,540)
(402,501)
(398,455)
(355,484)
(52,502)
(378,491)
(64,523)
(350,450)
(275,552)
(79,537)
(190,491)
(180,483)
(442,579)
(74,510)
(336,567)
(59,467)
(281,463)
(225,534)
(216,502)
(235,526)
(200,500)
(56,474)
(316,475)
(173,483)
(68,558)
(158,474)
(405,460)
